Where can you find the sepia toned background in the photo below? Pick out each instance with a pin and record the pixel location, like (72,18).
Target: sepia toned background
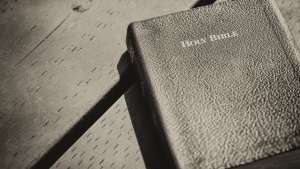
(64,75)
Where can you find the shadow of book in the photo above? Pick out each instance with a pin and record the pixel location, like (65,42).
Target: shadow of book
(203,3)
(90,117)
(140,115)
(149,143)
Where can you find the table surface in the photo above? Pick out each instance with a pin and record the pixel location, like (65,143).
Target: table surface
(65,72)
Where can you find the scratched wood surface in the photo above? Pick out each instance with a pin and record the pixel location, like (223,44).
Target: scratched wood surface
(124,137)
(132,104)
(57,60)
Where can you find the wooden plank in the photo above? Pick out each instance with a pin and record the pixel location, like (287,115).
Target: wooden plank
(58,59)
(133,103)
(23,25)
(114,141)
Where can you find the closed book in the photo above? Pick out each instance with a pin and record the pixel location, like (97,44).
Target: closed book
(222,81)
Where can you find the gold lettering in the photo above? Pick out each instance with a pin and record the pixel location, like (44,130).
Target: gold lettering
(185,43)
(193,43)
(224,36)
(228,35)
(213,38)
(234,33)
(188,43)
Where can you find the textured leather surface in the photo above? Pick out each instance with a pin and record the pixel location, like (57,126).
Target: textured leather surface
(223,103)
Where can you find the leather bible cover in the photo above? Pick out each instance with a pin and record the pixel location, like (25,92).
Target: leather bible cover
(222,82)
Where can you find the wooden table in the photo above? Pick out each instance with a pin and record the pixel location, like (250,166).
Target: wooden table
(65,72)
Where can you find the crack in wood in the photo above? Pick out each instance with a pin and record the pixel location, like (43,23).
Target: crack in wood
(42,40)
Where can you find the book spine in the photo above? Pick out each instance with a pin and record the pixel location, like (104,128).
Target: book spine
(134,54)
(137,61)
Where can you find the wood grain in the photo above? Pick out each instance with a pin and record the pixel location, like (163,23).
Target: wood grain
(58,59)
(117,138)
(131,103)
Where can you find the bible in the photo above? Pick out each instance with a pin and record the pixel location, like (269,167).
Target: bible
(222,82)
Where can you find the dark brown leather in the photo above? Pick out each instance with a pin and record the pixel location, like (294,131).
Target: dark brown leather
(227,102)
